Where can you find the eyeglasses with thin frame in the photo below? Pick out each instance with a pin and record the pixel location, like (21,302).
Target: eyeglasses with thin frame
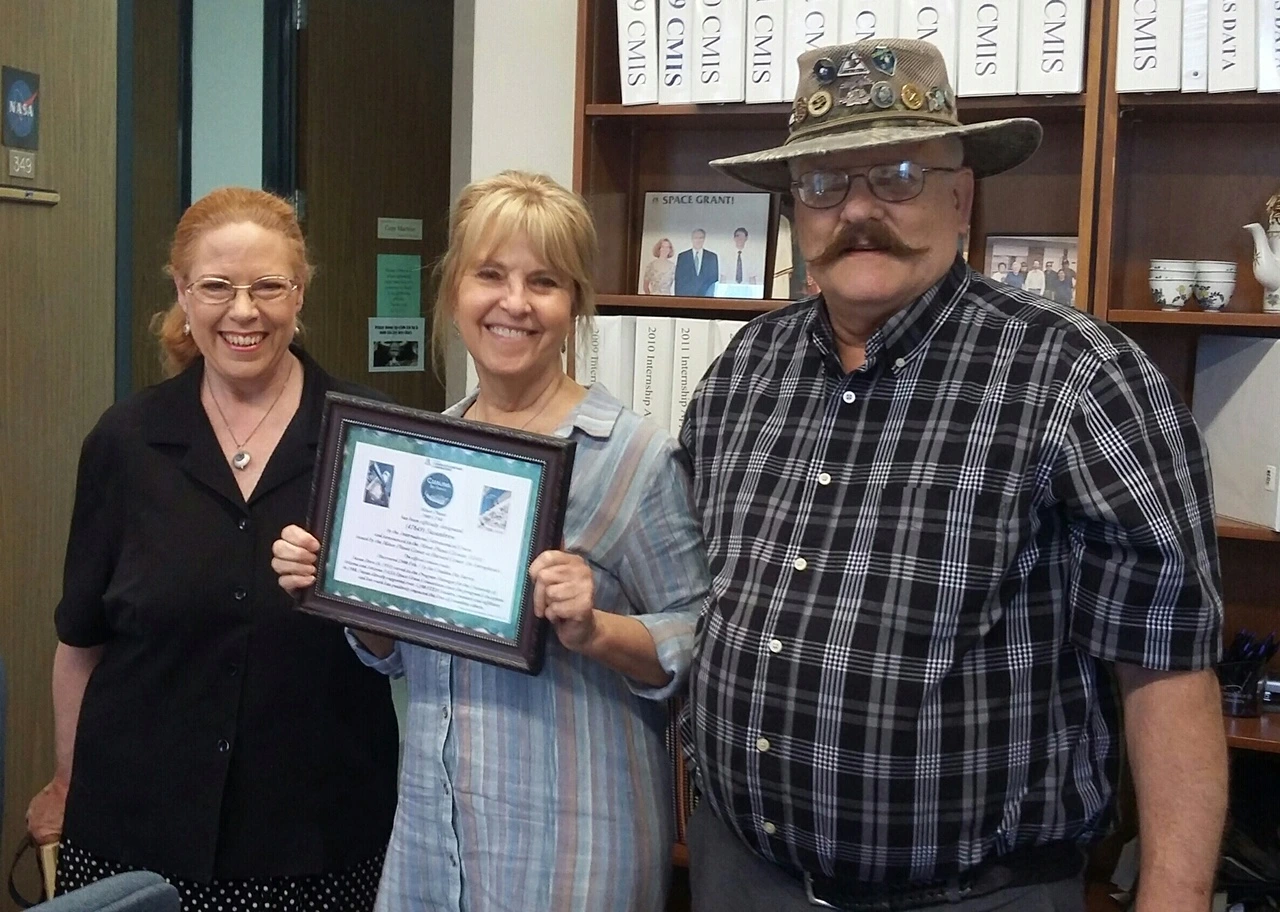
(899,182)
(212,290)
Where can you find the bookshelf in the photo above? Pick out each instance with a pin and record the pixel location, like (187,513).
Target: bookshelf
(623,151)
(1133,176)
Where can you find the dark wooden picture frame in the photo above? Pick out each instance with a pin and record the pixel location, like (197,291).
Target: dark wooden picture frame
(553,458)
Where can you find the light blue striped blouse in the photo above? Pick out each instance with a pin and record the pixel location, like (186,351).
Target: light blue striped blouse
(554,792)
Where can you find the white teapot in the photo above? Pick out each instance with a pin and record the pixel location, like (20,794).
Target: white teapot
(1266,255)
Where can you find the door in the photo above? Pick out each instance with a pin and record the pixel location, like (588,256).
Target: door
(373,104)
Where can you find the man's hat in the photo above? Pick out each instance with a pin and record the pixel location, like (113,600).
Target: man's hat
(878,93)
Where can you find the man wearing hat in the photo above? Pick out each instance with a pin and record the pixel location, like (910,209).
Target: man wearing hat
(955,530)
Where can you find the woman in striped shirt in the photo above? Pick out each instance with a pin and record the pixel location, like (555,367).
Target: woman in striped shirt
(550,792)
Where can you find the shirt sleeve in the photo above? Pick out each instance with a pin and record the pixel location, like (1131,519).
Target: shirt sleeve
(1134,478)
(664,570)
(391,665)
(92,547)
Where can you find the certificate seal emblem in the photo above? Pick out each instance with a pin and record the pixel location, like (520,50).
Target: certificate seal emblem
(437,490)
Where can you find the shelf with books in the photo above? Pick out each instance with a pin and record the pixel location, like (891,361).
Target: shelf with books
(1044,107)
(634,303)
(1215,108)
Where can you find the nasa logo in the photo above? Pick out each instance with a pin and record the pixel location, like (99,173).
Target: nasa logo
(21,93)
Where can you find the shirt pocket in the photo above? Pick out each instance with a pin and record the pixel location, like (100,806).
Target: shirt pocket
(939,557)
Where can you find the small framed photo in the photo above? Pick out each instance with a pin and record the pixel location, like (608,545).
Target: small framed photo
(1042,264)
(704,244)
(427,525)
(791,279)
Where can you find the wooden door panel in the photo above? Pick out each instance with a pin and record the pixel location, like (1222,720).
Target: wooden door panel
(373,141)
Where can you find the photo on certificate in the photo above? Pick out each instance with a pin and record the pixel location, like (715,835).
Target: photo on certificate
(427,526)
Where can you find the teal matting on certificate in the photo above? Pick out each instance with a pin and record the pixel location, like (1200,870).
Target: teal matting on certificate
(446,452)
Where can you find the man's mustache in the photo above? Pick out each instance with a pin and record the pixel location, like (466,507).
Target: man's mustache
(869,233)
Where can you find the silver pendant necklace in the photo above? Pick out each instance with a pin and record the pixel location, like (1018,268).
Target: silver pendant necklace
(242,457)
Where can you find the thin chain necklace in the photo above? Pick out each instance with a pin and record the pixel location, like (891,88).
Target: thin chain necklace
(537,414)
(242,458)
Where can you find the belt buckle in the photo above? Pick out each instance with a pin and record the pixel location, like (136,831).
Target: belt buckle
(808,893)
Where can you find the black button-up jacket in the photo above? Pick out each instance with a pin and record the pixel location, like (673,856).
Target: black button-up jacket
(224,734)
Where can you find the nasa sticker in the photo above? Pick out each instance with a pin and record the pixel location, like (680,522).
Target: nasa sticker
(437,490)
(20,95)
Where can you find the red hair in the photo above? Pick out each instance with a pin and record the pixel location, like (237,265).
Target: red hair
(225,206)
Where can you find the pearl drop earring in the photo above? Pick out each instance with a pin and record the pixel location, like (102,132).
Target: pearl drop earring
(186,329)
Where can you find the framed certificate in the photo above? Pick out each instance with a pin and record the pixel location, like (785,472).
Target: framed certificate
(427,526)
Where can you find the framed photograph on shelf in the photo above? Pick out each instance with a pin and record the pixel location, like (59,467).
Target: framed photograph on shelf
(791,280)
(704,245)
(427,525)
(1043,264)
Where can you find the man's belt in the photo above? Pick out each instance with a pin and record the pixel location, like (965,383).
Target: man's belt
(1021,868)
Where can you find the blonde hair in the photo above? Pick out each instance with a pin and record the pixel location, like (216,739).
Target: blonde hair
(489,213)
(224,206)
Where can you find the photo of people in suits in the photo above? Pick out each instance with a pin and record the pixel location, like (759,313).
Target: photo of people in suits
(697,269)
(704,245)
(1041,265)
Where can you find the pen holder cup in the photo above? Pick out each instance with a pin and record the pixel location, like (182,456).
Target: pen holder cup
(1238,682)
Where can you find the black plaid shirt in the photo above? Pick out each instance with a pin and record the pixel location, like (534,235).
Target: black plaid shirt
(923,568)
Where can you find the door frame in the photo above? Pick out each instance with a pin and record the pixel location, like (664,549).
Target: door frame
(283,21)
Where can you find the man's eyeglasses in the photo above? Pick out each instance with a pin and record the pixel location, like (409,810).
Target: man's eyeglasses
(892,183)
(219,291)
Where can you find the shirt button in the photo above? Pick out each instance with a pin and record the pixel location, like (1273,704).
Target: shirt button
(444,712)
(900,363)
(240,594)
(769,828)
(849,397)
(824,479)
(800,563)
(775,646)
(762,745)
(223,746)
(243,524)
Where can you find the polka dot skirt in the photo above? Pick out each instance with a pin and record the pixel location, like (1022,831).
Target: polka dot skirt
(351,890)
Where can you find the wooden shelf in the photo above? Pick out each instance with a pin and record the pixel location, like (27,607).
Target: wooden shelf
(1194,318)
(1234,528)
(1261,733)
(1201,106)
(634,302)
(719,116)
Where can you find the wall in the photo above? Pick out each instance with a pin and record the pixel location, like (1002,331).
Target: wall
(57,317)
(513,95)
(226,94)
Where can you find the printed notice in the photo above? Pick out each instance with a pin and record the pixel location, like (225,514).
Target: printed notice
(396,344)
(399,285)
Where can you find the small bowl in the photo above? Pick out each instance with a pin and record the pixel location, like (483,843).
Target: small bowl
(1178,265)
(1214,295)
(1215,266)
(1170,294)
